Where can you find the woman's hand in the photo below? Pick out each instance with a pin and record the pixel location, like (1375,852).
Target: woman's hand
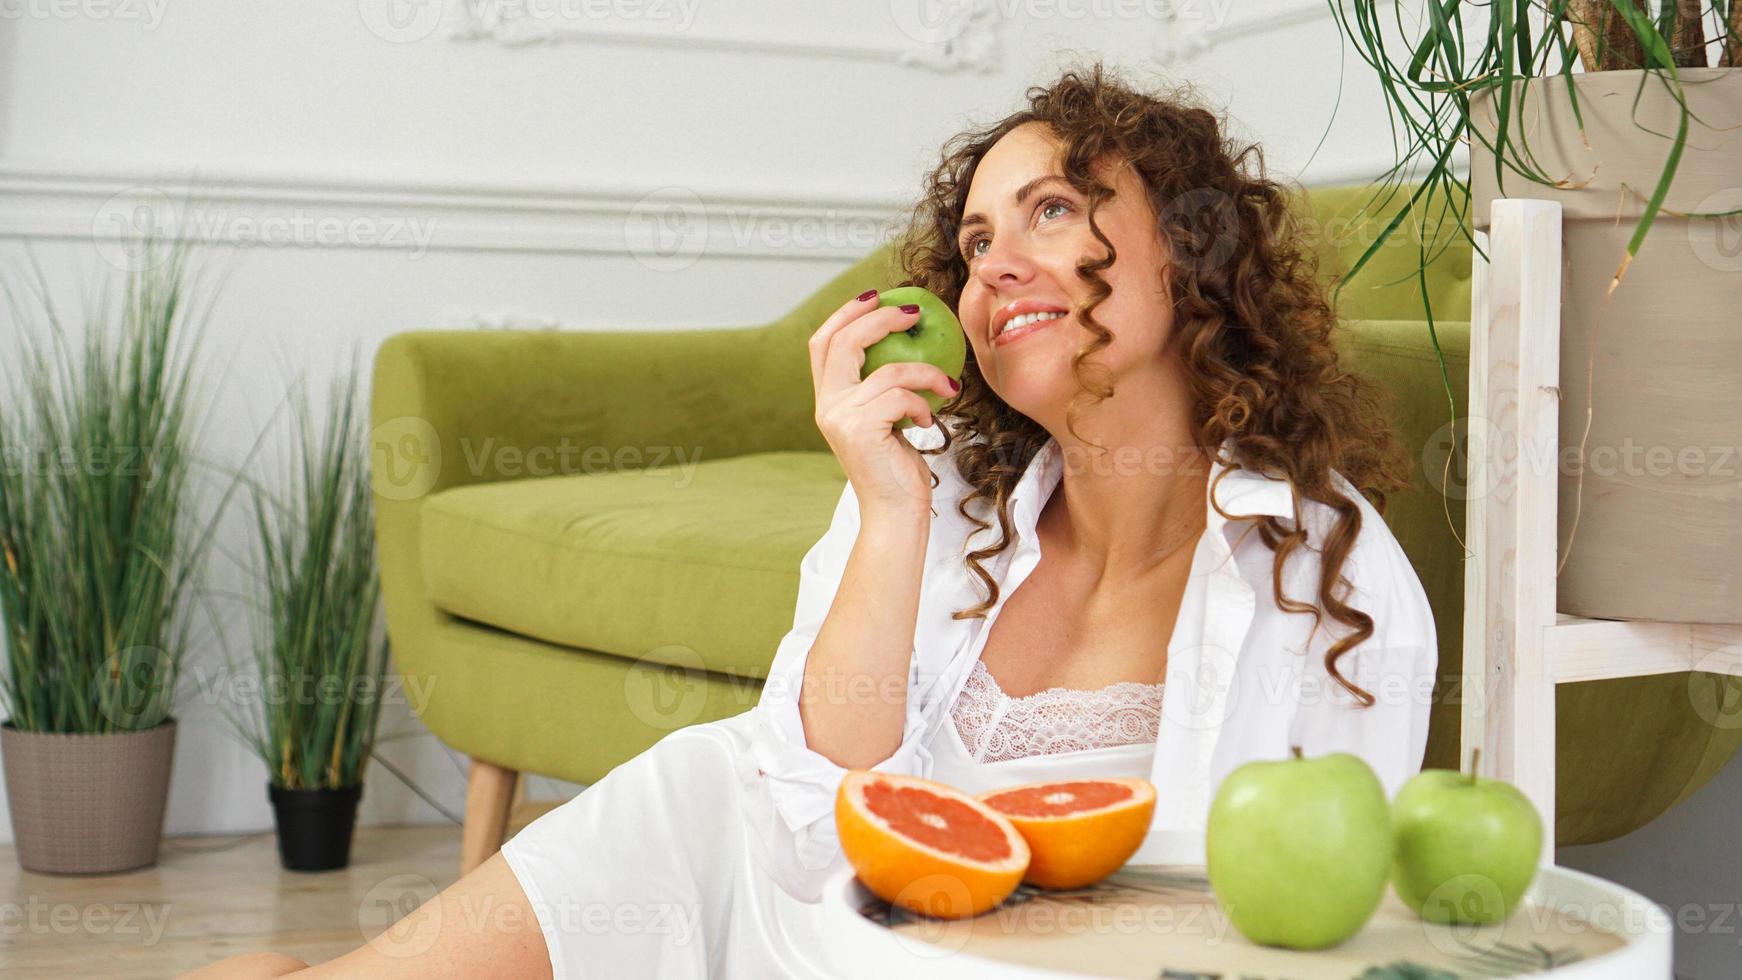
(889,476)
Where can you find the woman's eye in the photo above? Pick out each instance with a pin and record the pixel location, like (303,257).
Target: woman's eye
(969,246)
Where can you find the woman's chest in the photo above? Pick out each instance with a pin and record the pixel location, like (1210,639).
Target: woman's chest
(1054,630)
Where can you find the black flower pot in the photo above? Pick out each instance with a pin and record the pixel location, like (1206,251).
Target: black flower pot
(314,826)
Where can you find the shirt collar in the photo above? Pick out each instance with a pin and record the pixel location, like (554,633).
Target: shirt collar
(1242,492)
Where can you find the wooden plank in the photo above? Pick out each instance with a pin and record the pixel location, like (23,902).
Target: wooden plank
(1531,230)
(1517,407)
(1594,649)
(1473,727)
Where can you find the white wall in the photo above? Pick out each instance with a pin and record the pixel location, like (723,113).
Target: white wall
(650,167)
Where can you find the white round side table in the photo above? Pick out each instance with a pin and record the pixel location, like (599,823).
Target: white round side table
(1161,922)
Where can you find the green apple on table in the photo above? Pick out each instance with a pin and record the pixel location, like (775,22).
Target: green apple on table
(1467,846)
(936,338)
(1298,851)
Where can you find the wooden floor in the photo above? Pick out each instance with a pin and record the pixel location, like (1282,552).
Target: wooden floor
(211,897)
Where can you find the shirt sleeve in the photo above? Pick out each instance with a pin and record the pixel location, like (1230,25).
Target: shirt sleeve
(802,782)
(1397,665)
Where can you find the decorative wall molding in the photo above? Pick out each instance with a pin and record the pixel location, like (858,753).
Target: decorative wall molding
(1188,34)
(941,35)
(666,228)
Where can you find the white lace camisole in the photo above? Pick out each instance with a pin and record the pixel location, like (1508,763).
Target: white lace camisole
(995,727)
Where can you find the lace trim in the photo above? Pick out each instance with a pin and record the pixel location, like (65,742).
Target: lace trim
(996,727)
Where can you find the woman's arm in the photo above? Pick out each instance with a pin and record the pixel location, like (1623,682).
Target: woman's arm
(853,702)
(836,694)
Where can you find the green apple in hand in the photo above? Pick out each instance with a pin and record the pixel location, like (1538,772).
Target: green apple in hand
(1298,850)
(1467,846)
(935,338)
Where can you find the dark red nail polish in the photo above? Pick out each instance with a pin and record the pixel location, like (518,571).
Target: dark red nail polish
(955,385)
(867,294)
(910,307)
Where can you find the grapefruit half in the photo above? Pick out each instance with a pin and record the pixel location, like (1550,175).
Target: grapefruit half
(927,846)
(1079,830)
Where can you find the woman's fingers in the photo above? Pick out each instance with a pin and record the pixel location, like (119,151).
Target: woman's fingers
(909,376)
(846,354)
(819,342)
(894,404)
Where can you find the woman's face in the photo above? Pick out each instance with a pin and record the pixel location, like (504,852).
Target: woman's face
(1025,252)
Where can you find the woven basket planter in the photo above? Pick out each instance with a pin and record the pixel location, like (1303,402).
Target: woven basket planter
(87,804)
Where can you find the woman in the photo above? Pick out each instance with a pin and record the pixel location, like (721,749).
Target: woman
(1153,438)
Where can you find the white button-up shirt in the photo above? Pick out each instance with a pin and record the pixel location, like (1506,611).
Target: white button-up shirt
(1245,680)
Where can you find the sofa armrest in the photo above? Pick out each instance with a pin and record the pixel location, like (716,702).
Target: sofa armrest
(451,408)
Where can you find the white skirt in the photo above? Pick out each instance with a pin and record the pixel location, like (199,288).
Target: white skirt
(664,868)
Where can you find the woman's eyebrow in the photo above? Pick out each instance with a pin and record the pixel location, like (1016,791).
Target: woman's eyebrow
(1022,194)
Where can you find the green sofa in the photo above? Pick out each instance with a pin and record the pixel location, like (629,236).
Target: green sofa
(591,539)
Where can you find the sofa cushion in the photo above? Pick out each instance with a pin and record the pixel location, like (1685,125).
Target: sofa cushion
(688,564)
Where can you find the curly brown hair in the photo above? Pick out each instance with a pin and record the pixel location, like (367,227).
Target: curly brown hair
(1252,320)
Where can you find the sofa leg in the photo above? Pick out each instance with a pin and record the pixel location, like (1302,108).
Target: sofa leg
(489,798)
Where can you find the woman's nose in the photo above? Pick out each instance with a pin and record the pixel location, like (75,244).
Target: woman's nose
(1003,264)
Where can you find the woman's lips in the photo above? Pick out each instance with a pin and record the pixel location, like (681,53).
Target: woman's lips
(1013,334)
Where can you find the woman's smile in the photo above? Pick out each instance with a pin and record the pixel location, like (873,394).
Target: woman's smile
(1022,327)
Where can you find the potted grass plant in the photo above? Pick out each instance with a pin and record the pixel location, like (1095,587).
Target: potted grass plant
(100,554)
(320,654)
(1629,114)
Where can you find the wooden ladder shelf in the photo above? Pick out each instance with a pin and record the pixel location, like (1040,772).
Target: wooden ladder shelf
(1517,646)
